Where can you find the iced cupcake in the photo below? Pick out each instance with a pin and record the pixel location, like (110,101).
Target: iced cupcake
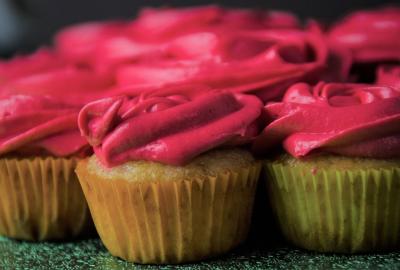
(166,184)
(337,188)
(40,196)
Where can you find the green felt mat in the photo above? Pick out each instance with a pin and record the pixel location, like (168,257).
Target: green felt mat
(91,254)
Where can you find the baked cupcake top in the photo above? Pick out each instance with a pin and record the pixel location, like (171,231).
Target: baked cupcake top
(389,75)
(372,35)
(36,125)
(170,129)
(347,119)
(210,163)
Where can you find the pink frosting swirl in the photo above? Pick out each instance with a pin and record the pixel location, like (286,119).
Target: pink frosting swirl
(68,83)
(389,75)
(45,72)
(246,51)
(372,36)
(38,124)
(263,63)
(169,129)
(166,23)
(148,36)
(25,65)
(346,119)
(77,44)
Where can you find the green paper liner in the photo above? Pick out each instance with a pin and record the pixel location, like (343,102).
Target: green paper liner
(344,211)
(41,199)
(171,221)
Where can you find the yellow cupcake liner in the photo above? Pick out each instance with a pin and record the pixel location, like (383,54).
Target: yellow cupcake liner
(41,199)
(343,211)
(172,221)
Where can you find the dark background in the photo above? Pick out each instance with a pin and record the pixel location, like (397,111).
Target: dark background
(26,24)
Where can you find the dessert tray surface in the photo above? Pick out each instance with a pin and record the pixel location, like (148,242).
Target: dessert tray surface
(91,254)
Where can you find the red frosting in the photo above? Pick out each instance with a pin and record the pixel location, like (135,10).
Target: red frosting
(247,51)
(371,35)
(38,124)
(389,75)
(70,84)
(263,63)
(78,43)
(159,60)
(346,119)
(102,44)
(20,66)
(169,129)
(159,24)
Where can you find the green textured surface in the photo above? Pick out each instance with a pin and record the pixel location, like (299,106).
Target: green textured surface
(91,254)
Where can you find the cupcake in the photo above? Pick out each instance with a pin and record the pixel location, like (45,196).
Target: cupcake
(40,196)
(168,182)
(336,188)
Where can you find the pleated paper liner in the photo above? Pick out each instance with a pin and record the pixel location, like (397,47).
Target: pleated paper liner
(41,199)
(343,211)
(172,221)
